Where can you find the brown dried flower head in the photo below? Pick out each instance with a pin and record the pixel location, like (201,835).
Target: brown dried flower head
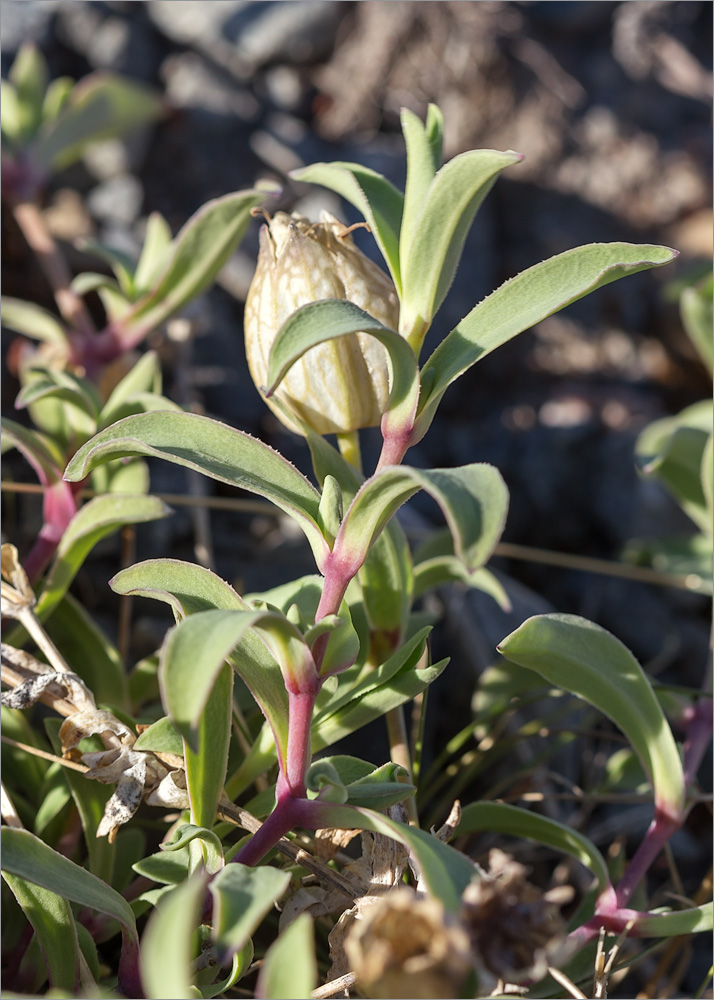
(341,385)
(405,945)
(516,929)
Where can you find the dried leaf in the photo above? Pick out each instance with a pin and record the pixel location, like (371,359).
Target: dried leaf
(17,594)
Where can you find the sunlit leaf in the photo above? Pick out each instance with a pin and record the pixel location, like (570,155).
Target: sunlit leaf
(32,321)
(216,450)
(95,520)
(525,300)
(373,195)
(473,499)
(318,322)
(197,254)
(101,106)
(430,259)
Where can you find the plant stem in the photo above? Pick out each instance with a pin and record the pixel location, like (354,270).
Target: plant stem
(399,752)
(699,733)
(659,832)
(277,825)
(350,449)
(73,310)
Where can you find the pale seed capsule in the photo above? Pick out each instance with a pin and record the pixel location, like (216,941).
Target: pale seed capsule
(341,385)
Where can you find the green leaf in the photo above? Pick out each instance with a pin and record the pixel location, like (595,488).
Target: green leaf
(186,587)
(167,943)
(328,319)
(206,769)
(53,923)
(432,573)
(11,122)
(90,798)
(94,281)
(386,575)
(446,871)
(374,196)
(100,107)
(25,855)
(162,737)
(498,817)
(145,376)
(154,253)
(209,840)
(474,500)
(430,259)
(189,589)
(423,142)
(198,253)
(242,896)
(93,657)
(28,74)
(673,924)
(525,300)
(673,451)
(121,263)
(361,706)
(708,480)
(218,451)
(98,518)
(583,658)
(361,783)
(37,449)
(32,321)
(695,307)
(193,654)
(56,97)
(166,867)
(289,969)
(76,394)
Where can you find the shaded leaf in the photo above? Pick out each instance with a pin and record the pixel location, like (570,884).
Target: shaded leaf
(242,896)
(499,817)
(580,657)
(167,942)
(53,923)
(289,969)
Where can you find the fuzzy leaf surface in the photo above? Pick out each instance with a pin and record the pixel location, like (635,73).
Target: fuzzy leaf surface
(217,451)
(525,300)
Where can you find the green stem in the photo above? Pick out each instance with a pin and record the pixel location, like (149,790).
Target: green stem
(348,444)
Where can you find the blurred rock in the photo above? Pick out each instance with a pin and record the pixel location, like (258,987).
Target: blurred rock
(117,200)
(26,21)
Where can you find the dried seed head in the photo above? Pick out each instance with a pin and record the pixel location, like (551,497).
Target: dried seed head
(406,946)
(339,386)
(516,929)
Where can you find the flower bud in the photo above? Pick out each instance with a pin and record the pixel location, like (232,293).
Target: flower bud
(341,385)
